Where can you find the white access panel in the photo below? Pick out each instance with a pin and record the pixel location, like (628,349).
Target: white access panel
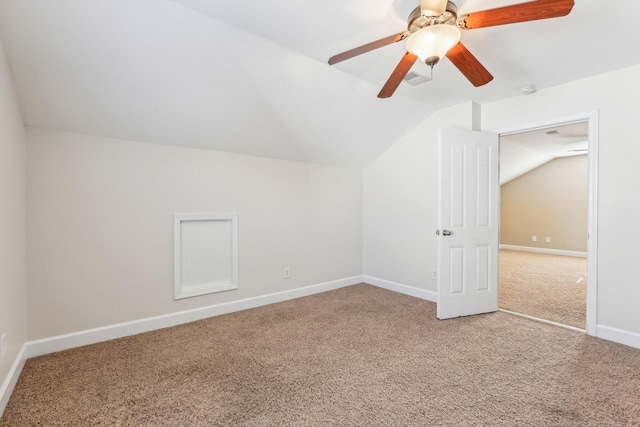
(205,254)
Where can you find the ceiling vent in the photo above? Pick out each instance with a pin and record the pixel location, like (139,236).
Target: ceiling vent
(414,79)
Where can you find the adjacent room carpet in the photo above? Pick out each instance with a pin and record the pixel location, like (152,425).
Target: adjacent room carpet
(356,356)
(550,287)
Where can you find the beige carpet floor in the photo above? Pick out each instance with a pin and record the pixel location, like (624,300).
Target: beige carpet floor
(550,287)
(357,356)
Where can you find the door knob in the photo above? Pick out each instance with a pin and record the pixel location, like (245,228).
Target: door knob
(446,233)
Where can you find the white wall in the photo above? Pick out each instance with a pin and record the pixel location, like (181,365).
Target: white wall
(13,286)
(400,191)
(400,203)
(100,213)
(615,95)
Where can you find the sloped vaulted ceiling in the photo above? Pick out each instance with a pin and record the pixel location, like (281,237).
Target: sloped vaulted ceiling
(252,77)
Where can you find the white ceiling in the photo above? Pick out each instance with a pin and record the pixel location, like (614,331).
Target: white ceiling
(252,77)
(523,152)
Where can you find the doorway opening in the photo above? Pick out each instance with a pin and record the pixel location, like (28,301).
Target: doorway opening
(548,221)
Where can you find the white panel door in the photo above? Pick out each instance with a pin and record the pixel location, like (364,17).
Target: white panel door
(468,223)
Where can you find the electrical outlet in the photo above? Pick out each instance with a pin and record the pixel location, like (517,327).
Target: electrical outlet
(534,238)
(286,273)
(434,274)
(548,239)
(3,345)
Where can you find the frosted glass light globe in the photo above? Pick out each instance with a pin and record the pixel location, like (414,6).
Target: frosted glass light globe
(431,43)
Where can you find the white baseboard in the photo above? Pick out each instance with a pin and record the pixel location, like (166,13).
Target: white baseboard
(92,336)
(403,289)
(544,251)
(12,378)
(631,339)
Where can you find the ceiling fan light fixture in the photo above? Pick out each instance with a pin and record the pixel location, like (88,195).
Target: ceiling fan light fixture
(433,31)
(433,42)
(433,7)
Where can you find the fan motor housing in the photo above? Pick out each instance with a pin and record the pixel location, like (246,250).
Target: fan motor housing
(417,20)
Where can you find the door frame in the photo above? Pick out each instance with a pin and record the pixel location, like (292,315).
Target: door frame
(592,222)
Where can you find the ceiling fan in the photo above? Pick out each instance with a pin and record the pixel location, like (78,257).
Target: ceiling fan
(433,31)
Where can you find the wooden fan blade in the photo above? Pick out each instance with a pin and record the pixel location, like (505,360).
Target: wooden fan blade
(530,11)
(398,74)
(367,48)
(468,65)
